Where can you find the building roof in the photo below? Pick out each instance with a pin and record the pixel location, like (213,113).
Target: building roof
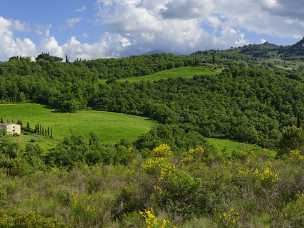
(8,124)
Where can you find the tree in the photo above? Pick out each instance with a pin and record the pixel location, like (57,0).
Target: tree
(292,139)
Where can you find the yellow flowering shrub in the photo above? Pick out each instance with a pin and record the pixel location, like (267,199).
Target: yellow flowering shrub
(230,218)
(193,154)
(296,155)
(28,219)
(152,221)
(162,150)
(160,167)
(267,174)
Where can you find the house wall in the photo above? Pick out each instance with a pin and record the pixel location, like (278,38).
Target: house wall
(13,129)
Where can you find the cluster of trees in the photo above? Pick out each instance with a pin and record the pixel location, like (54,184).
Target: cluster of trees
(40,130)
(244,103)
(67,86)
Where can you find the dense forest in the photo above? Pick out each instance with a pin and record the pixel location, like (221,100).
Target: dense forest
(171,176)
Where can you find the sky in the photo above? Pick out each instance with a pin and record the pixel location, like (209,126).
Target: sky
(91,29)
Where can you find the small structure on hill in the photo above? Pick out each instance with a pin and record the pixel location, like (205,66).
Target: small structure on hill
(10,129)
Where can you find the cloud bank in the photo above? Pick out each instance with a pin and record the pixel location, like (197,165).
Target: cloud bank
(180,26)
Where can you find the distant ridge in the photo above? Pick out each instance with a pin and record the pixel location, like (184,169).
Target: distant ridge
(270,50)
(299,44)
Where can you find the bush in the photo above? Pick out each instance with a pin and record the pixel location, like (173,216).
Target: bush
(178,193)
(293,213)
(28,220)
(292,139)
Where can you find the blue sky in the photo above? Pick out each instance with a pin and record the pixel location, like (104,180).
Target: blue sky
(104,28)
(54,13)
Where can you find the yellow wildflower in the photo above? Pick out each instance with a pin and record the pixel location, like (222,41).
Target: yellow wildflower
(162,150)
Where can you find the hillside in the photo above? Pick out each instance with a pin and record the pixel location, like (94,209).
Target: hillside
(110,127)
(182,72)
(222,150)
(151,114)
(269,50)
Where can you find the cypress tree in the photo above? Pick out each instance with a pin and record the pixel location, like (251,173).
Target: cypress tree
(28,127)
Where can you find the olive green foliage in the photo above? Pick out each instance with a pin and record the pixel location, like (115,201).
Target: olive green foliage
(249,104)
(77,149)
(82,183)
(292,139)
(68,87)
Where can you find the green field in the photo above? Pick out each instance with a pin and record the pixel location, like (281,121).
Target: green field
(111,127)
(181,72)
(228,147)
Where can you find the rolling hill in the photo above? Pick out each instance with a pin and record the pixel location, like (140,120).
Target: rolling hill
(269,50)
(180,72)
(110,127)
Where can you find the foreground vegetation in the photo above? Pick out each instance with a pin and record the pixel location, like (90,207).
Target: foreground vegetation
(85,184)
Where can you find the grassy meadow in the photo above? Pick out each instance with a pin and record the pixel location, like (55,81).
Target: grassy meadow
(229,148)
(110,127)
(181,72)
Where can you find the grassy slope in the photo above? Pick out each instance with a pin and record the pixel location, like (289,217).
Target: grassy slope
(111,127)
(228,147)
(285,64)
(44,142)
(181,72)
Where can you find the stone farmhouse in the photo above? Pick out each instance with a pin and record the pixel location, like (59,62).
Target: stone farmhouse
(10,129)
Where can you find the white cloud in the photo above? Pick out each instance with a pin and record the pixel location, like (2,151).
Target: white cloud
(51,45)
(167,25)
(108,45)
(20,26)
(270,3)
(262,16)
(188,9)
(10,45)
(180,26)
(286,8)
(81,9)
(72,22)
(262,41)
